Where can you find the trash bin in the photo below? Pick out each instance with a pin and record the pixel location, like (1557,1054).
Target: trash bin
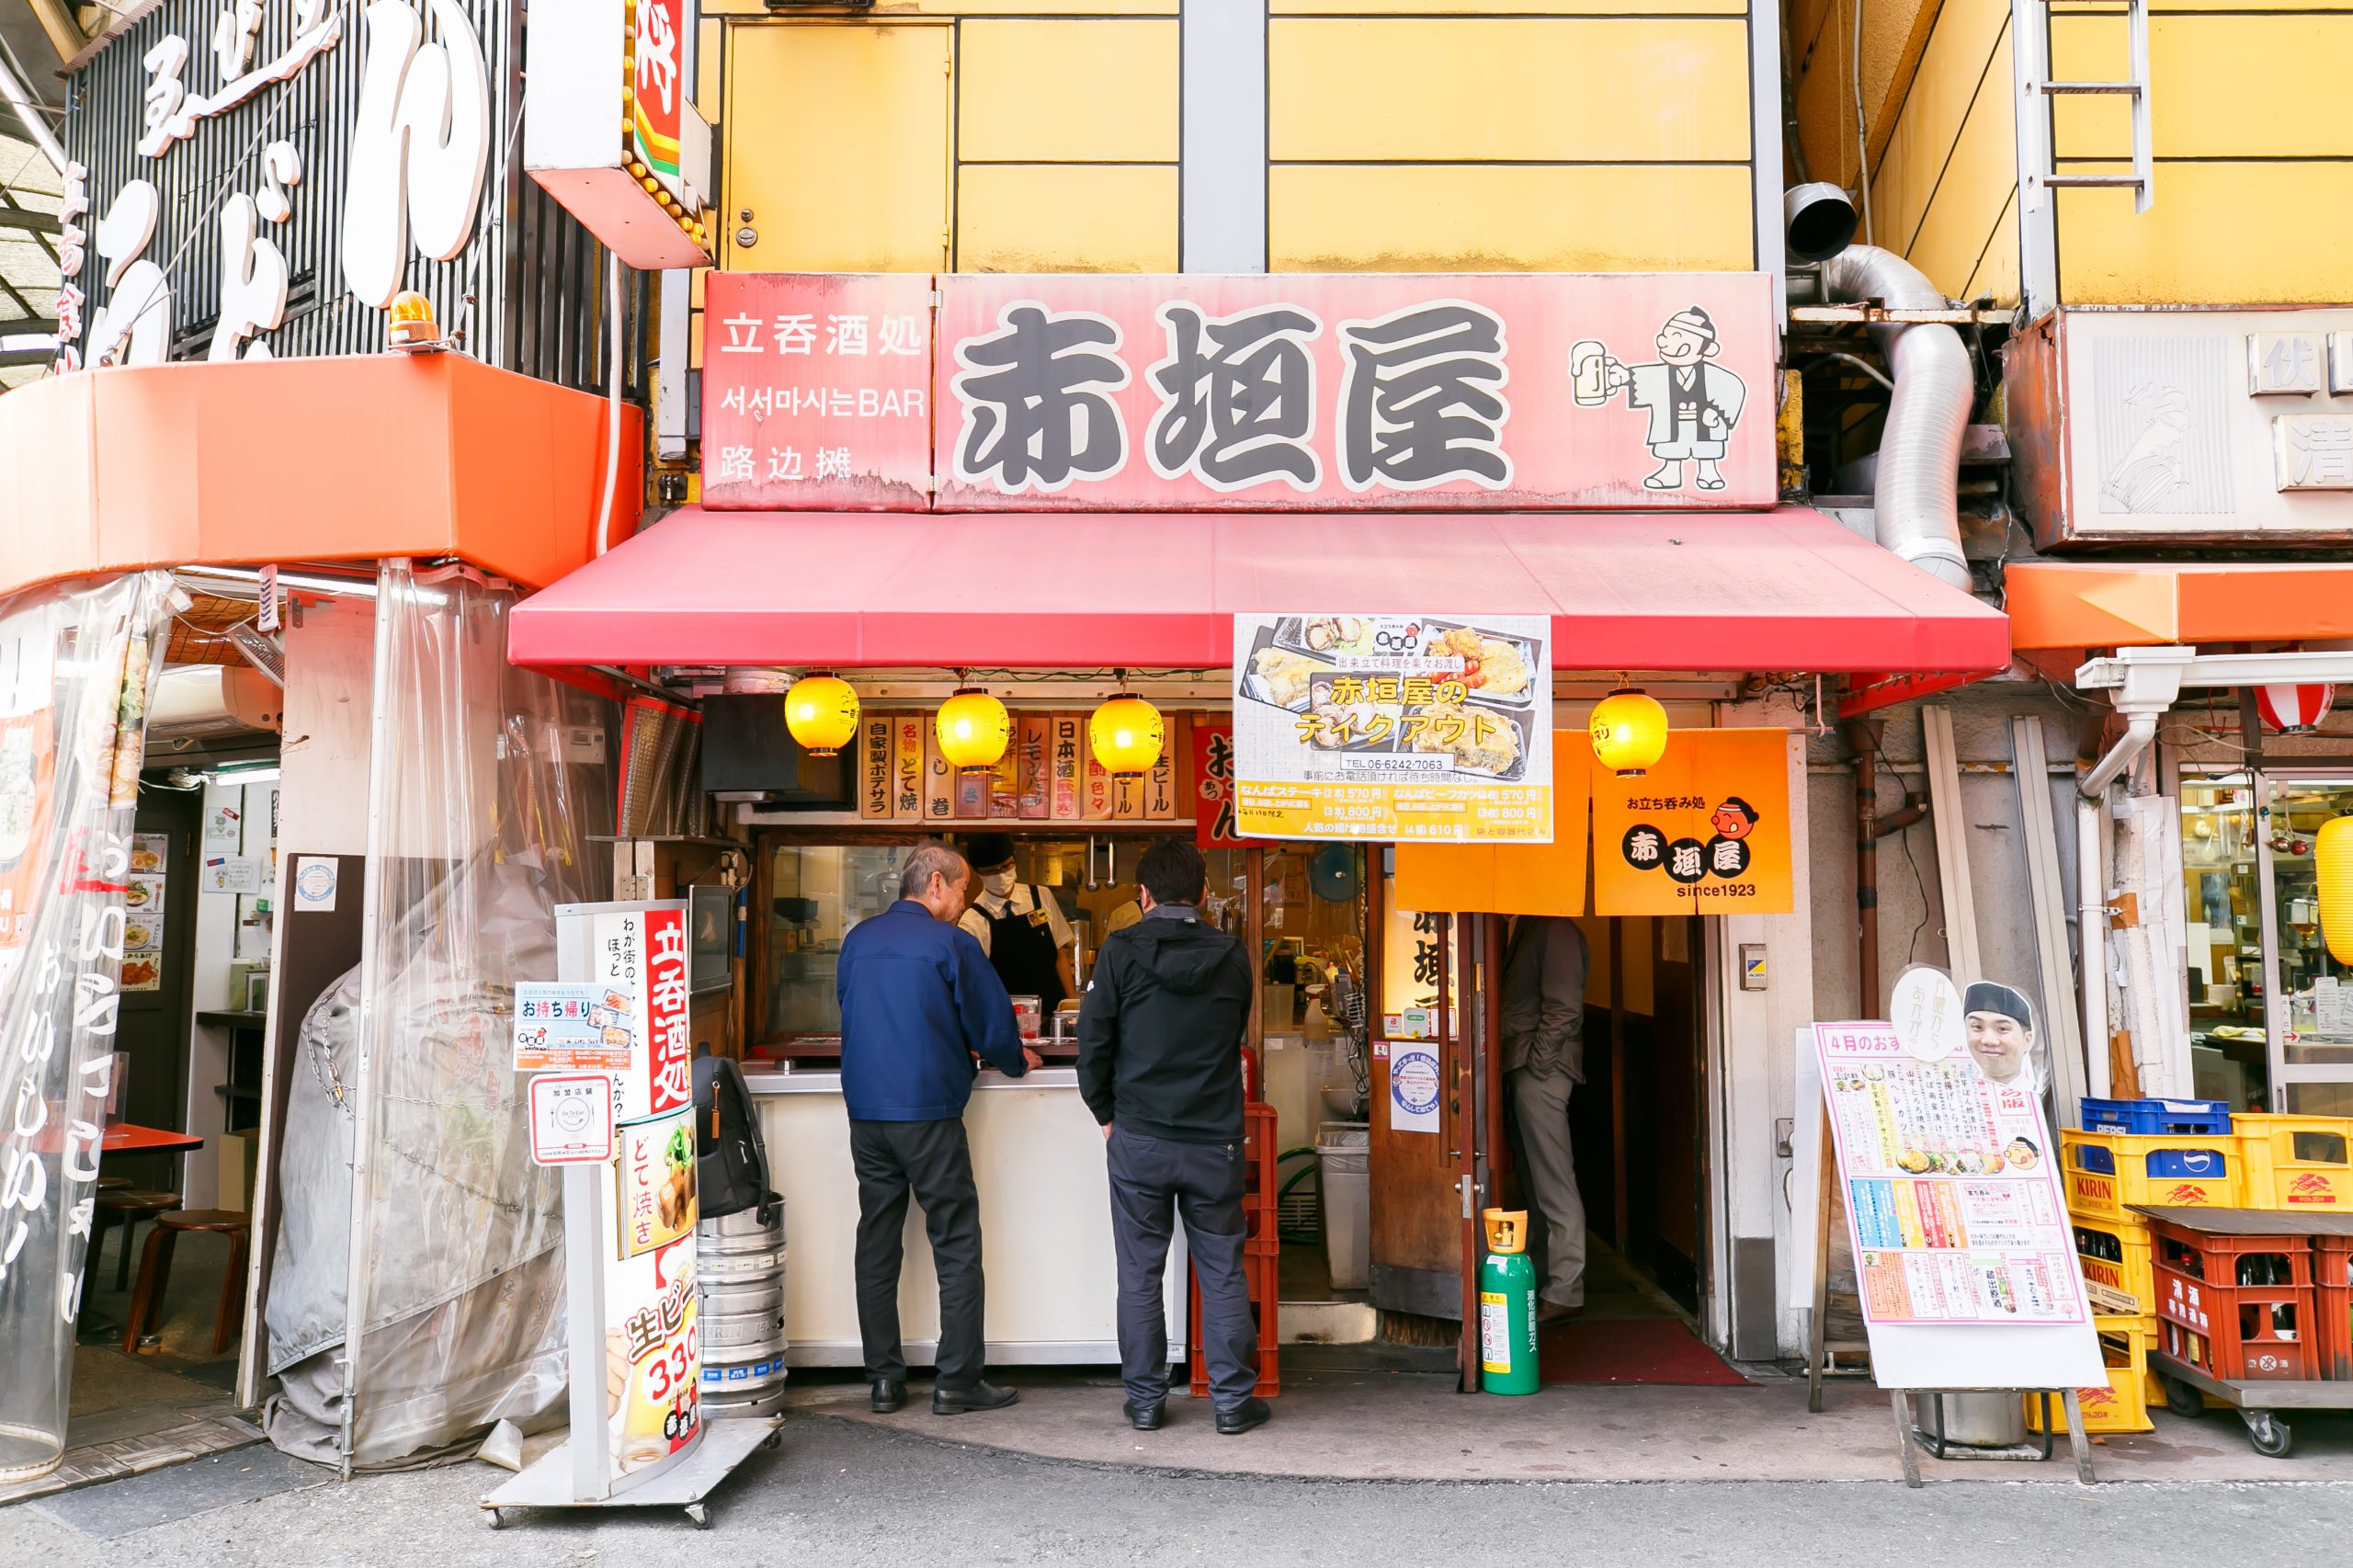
(1344,1153)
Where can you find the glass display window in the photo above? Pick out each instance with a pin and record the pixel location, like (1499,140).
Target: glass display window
(2224,924)
(2316,990)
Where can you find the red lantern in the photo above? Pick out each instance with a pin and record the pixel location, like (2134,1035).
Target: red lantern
(2294,710)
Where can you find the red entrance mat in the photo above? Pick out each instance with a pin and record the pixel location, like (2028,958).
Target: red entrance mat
(1630,1350)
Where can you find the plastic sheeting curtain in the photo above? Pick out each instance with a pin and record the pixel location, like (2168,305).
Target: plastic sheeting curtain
(420,1242)
(77,673)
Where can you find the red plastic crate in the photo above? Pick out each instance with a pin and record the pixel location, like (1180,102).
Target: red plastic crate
(2333,1289)
(1259,1271)
(2227,1330)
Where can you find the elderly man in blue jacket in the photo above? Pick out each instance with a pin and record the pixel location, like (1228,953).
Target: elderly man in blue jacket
(920,1002)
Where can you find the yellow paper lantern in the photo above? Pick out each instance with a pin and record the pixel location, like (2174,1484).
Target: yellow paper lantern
(973,730)
(1628,733)
(1125,735)
(821,711)
(2333,863)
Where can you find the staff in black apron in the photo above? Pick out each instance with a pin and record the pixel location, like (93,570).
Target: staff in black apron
(1018,925)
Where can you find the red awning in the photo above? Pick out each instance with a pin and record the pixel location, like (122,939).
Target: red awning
(1784,590)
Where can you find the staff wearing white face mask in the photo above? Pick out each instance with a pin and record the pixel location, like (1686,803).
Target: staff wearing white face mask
(1018,925)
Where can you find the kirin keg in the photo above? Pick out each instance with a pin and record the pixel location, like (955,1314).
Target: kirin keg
(739,1265)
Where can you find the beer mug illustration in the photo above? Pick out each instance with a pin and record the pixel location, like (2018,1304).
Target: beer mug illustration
(1589,373)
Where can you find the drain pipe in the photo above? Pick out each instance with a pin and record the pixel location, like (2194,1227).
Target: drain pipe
(1915,501)
(1863,739)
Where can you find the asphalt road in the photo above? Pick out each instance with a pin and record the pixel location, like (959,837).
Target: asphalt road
(843,1493)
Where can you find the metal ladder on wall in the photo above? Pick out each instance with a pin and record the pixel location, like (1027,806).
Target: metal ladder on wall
(2038,159)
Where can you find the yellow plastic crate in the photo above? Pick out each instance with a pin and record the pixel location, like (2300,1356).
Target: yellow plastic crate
(2296,1162)
(2123,1405)
(2107,1171)
(2120,1286)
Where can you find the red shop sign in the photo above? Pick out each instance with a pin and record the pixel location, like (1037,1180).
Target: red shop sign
(1347,391)
(816,392)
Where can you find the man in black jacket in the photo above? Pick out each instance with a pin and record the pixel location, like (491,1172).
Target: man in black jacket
(1160,1034)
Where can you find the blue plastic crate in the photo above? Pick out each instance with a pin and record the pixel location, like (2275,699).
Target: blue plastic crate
(2147,1116)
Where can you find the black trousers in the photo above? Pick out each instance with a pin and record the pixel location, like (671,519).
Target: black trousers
(1203,1183)
(931,1160)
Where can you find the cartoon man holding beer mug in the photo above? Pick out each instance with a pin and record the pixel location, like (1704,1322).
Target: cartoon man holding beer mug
(1693,402)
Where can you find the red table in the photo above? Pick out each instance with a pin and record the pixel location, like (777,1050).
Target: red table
(128,1137)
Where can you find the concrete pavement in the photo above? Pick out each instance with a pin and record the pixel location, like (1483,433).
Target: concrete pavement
(844,1494)
(1359,1417)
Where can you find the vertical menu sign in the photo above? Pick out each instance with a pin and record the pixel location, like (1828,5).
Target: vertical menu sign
(652,1357)
(1952,1193)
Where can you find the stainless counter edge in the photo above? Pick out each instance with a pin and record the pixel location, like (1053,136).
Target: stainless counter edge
(829,1081)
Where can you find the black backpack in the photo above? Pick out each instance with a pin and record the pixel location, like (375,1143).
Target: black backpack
(731,1163)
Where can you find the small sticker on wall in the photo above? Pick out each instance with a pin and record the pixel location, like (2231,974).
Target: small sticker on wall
(315,882)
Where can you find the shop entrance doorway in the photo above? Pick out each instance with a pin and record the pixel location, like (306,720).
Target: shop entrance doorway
(1637,1121)
(1639,1133)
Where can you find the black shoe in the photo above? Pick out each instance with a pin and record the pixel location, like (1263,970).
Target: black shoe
(884,1396)
(1145,1418)
(979,1397)
(1555,1315)
(1242,1417)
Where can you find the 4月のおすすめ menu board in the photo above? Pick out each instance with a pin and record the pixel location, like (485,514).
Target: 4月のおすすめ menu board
(1953,1200)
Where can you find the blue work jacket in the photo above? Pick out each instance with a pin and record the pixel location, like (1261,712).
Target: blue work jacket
(918,1000)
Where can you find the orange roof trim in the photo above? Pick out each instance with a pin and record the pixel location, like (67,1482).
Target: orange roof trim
(348,458)
(2072,604)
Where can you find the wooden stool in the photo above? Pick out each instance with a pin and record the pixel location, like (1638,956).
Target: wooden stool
(155,1273)
(130,1205)
(113,1184)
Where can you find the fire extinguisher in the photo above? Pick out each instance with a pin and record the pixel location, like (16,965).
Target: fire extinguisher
(1507,1305)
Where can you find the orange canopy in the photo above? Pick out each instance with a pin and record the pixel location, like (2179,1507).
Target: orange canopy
(348,458)
(2092,604)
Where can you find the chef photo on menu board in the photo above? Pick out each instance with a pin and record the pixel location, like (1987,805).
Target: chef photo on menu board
(1998,1022)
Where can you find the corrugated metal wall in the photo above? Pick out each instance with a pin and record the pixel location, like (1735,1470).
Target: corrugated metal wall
(537,278)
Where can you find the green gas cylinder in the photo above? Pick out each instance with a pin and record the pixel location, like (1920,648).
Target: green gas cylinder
(1508,1306)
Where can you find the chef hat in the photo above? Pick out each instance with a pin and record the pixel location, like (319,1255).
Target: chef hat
(1693,319)
(1987,996)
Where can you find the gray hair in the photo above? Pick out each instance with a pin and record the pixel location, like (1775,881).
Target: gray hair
(930,859)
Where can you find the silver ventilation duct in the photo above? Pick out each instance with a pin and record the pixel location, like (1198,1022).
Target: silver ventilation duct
(1916,495)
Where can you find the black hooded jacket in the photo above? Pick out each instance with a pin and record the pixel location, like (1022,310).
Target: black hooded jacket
(1160,1031)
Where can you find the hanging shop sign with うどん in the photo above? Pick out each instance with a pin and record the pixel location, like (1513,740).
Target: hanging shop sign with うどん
(410,139)
(1505,392)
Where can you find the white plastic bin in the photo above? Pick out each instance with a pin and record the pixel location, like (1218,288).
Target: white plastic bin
(1344,1152)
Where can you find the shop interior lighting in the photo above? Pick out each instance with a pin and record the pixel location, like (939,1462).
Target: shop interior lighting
(243,582)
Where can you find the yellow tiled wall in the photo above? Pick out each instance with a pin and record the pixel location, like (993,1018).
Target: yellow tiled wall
(1465,142)
(972,143)
(1944,192)
(2254,152)
(1017,135)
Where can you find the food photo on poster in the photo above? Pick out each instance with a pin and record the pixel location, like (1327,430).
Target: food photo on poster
(1393,727)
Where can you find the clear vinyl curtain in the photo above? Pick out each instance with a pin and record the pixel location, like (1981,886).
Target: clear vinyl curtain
(77,673)
(419,1240)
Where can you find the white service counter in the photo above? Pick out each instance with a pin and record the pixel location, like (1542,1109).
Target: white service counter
(1045,1226)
